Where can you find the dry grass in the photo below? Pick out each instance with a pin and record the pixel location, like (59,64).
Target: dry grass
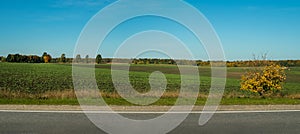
(65,94)
(70,94)
(293,96)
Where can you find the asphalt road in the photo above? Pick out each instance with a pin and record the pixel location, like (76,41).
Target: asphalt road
(221,123)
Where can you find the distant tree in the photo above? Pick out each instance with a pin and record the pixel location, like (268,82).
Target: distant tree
(63,58)
(69,60)
(46,58)
(87,59)
(24,58)
(9,58)
(99,59)
(3,59)
(17,58)
(107,60)
(34,59)
(13,58)
(42,58)
(78,58)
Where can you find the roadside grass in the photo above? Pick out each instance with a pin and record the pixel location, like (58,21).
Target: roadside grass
(50,84)
(22,101)
(68,97)
(162,101)
(259,101)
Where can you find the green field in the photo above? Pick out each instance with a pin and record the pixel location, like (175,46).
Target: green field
(22,83)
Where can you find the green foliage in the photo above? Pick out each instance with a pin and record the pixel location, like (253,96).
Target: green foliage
(77,58)
(2,59)
(23,58)
(63,58)
(46,58)
(99,59)
(262,63)
(87,59)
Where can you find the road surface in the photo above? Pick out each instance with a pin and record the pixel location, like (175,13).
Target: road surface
(288,122)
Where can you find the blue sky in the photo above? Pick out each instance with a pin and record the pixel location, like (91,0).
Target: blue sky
(245,27)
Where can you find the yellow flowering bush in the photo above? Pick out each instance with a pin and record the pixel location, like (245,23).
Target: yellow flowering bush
(265,80)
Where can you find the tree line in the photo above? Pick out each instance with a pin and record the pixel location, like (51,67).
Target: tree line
(248,63)
(262,63)
(47,58)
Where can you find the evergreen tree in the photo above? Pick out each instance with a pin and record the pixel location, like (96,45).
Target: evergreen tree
(99,59)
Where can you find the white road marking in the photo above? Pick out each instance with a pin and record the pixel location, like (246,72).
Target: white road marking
(146,112)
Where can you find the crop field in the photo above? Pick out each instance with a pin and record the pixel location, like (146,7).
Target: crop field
(21,81)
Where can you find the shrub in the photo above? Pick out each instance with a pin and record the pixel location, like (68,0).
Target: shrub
(264,80)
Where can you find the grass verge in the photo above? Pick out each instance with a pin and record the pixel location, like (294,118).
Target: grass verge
(161,102)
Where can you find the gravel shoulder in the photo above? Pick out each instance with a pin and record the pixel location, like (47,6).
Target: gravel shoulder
(147,108)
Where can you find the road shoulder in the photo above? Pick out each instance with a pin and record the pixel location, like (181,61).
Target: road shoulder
(147,108)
